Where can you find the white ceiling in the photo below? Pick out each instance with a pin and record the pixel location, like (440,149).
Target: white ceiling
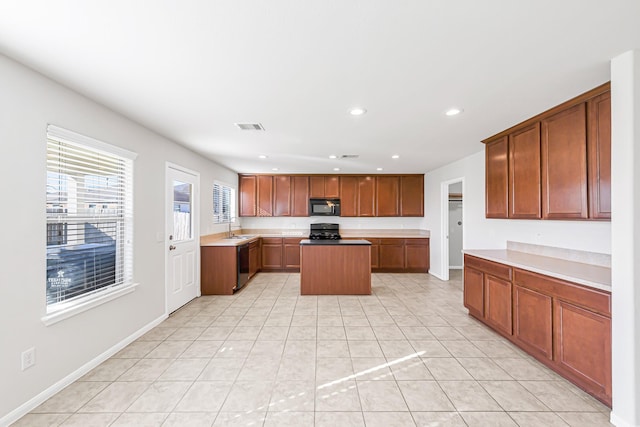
(191,69)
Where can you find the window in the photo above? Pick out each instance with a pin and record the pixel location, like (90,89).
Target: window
(224,203)
(89,218)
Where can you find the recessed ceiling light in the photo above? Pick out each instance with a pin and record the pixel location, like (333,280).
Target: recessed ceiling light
(274,169)
(357,111)
(454,111)
(333,156)
(336,169)
(378,169)
(262,156)
(395,156)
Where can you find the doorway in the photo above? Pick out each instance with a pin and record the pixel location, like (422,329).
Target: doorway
(182,236)
(452,224)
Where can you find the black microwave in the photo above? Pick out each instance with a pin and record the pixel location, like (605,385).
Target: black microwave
(324,207)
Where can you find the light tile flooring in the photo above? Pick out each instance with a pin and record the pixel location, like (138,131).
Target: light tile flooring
(408,355)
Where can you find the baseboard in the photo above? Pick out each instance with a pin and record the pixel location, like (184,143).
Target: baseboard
(40,398)
(618,422)
(437,275)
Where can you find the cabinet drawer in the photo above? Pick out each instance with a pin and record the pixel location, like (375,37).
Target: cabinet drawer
(292,240)
(489,267)
(392,241)
(417,242)
(272,240)
(591,299)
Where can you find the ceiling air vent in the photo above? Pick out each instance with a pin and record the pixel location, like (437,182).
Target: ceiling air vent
(249,126)
(349,156)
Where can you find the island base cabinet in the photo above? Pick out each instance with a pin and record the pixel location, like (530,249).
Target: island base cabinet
(583,347)
(532,321)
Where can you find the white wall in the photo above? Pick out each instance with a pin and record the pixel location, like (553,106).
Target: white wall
(483,233)
(28,103)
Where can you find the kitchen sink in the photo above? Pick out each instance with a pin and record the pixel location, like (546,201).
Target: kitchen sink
(240,237)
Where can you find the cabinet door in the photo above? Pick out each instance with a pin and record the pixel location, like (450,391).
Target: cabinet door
(532,321)
(332,186)
(248,190)
(366,195)
(417,255)
(300,196)
(349,196)
(218,271)
(388,196)
(498,303)
(391,254)
(564,164)
(599,156)
(375,250)
(272,253)
(583,346)
(254,258)
(281,195)
(316,186)
(497,178)
(291,250)
(265,195)
(524,173)
(412,195)
(474,291)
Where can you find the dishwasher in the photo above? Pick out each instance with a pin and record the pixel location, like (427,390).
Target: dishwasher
(243,266)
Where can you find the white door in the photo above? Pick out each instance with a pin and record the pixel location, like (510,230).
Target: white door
(182,237)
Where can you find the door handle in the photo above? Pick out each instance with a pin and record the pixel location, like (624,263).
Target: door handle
(172,248)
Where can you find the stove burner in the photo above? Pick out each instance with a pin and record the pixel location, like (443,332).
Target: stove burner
(324,232)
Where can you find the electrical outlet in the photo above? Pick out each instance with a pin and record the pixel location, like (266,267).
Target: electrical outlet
(28,358)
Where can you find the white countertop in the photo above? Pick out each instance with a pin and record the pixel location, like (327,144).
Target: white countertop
(593,276)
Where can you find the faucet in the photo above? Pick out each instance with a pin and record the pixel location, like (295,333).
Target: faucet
(231,220)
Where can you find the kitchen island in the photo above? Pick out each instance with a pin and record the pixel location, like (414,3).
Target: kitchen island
(335,267)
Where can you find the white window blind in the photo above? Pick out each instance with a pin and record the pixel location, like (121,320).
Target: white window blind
(224,203)
(89,208)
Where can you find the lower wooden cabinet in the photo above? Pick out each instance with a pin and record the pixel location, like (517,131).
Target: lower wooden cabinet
(416,255)
(291,252)
(254,257)
(391,254)
(272,254)
(218,270)
(564,325)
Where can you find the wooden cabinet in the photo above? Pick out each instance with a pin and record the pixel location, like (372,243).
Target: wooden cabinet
(599,156)
(416,255)
(281,195)
(387,195)
(299,196)
(497,178)
(349,196)
(265,195)
(272,256)
(412,195)
(559,163)
(564,164)
(375,250)
(391,254)
(218,270)
(324,186)
(254,257)
(366,196)
(532,321)
(357,196)
(564,325)
(247,196)
(291,252)
(524,173)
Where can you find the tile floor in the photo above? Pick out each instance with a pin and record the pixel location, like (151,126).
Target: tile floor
(408,355)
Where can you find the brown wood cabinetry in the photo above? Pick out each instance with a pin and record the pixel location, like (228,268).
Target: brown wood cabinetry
(218,270)
(564,325)
(349,196)
(388,195)
(254,257)
(564,164)
(366,196)
(416,255)
(324,186)
(281,195)
(559,163)
(524,173)
(357,196)
(497,178)
(375,250)
(291,252)
(272,257)
(265,195)
(247,196)
(599,156)
(391,254)
(412,195)
(299,196)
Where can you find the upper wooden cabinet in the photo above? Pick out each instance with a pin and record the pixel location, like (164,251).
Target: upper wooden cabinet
(357,195)
(349,196)
(247,196)
(497,178)
(388,195)
(282,195)
(265,195)
(599,156)
(556,165)
(412,195)
(299,196)
(564,164)
(324,186)
(524,173)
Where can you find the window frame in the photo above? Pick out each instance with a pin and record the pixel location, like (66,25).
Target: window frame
(64,309)
(232,207)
